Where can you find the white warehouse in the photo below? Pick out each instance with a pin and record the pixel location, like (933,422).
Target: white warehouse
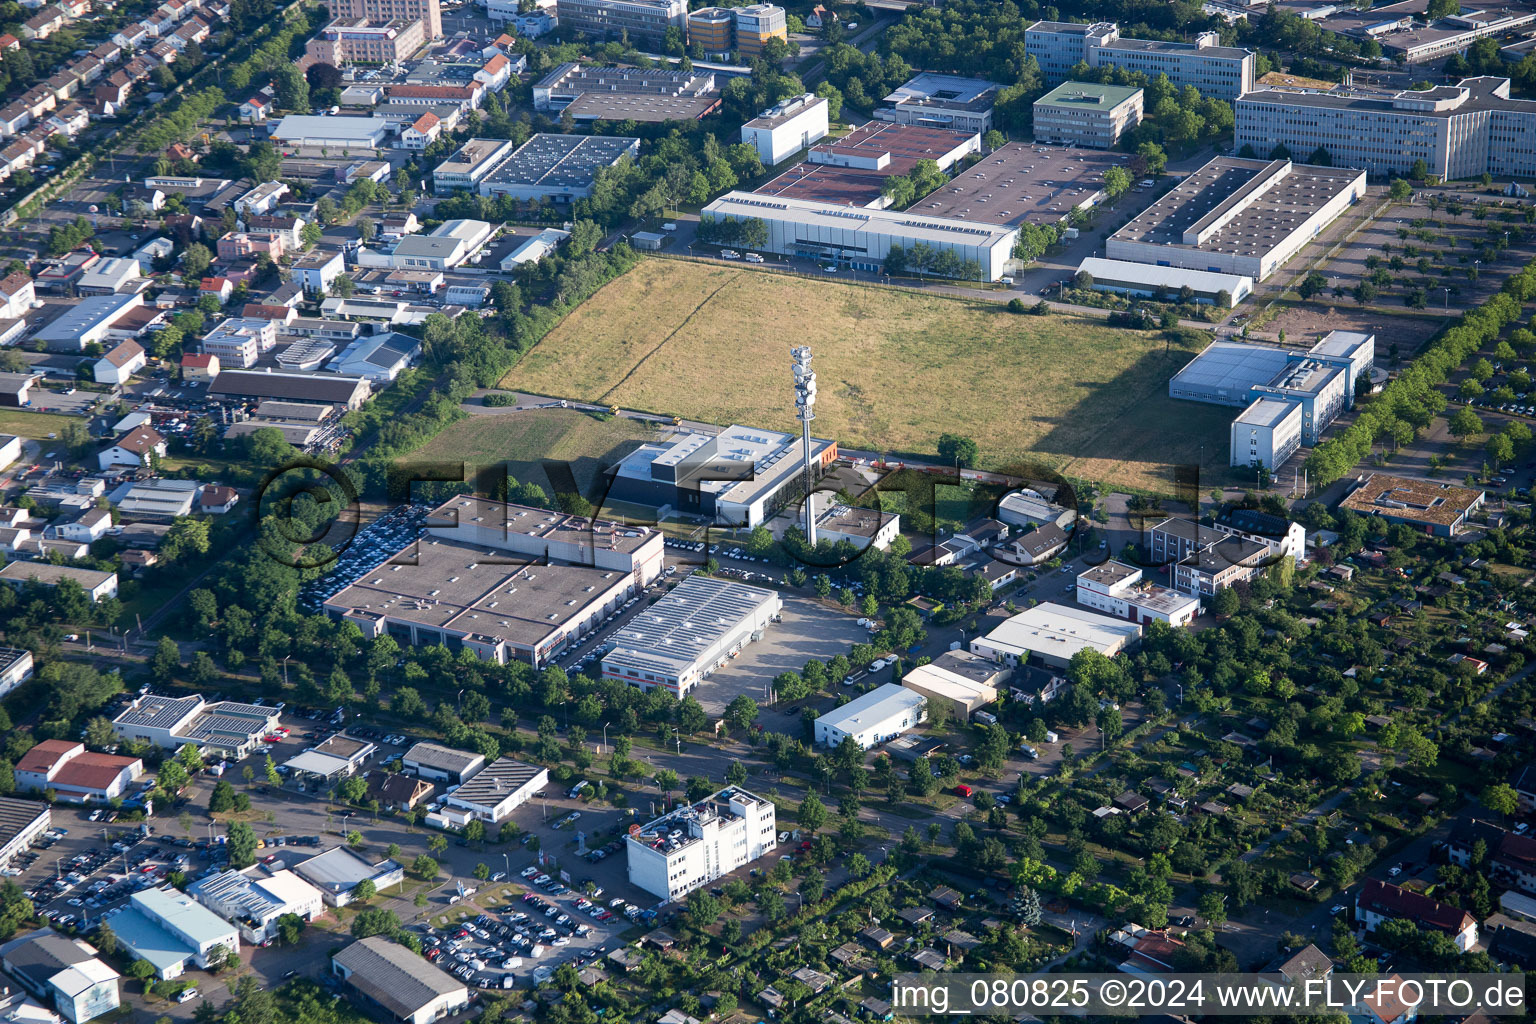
(862,238)
(697,627)
(699,842)
(881,714)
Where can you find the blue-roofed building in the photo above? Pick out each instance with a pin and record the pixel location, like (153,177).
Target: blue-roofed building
(168,928)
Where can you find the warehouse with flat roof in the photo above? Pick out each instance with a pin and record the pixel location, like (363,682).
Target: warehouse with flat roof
(498,789)
(882,714)
(1149,281)
(1024,181)
(557,168)
(862,239)
(497,605)
(340,132)
(1052,634)
(1238,216)
(683,637)
(469,164)
(540,534)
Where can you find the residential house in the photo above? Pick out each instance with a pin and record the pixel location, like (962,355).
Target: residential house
(135,448)
(122,362)
(1380,901)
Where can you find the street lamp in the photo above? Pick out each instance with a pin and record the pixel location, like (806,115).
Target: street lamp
(605,737)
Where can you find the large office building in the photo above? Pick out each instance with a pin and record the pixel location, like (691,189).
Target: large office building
(359,41)
(941,101)
(1220,72)
(469,164)
(641,21)
(741,476)
(557,168)
(1459,131)
(719,31)
(1319,383)
(1405,29)
(700,625)
(786,128)
(224,728)
(1087,114)
(1052,634)
(700,842)
(382,12)
(1119,589)
(870,719)
(590,93)
(1237,216)
(863,238)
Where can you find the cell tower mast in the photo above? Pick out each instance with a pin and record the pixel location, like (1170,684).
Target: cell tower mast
(805,402)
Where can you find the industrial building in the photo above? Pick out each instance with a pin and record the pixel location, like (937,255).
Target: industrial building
(1165,283)
(1052,634)
(497,790)
(862,238)
(852,170)
(1237,216)
(21,822)
(1404,29)
(1120,590)
(254,900)
(1438,509)
(224,728)
(684,636)
(597,93)
(786,128)
(479,597)
(1021,182)
(1087,114)
(64,973)
(74,773)
(449,244)
(338,871)
(399,982)
(1320,384)
(1219,72)
(1458,131)
(16,665)
(870,719)
(741,476)
(442,764)
(641,21)
(97,585)
(861,527)
(699,842)
(341,132)
(941,101)
(85,322)
(557,168)
(170,930)
(960,680)
(540,535)
(303,388)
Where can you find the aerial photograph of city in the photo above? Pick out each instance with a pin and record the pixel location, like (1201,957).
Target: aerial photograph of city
(797,512)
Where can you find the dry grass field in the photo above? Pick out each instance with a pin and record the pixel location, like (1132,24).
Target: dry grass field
(896,370)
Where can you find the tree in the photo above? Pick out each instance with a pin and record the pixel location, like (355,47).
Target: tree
(364,891)
(424,868)
(167,660)
(240,841)
(143,970)
(1116,181)
(958,451)
(813,814)
(289,928)
(1213,907)
(375,921)
(703,909)
(741,712)
(365,229)
(1500,449)
(1225,603)
(1465,423)
(1502,799)
(1400,190)
(106,939)
(292,87)
(196,260)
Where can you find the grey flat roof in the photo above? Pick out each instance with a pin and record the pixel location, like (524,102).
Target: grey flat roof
(435,755)
(489,513)
(1232,366)
(49,574)
(393,976)
(154,712)
(560,161)
(84,314)
(1023,181)
(1268,412)
(1266,218)
(916,224)
(338,869)
(16,815)
(683,624)
(496,781)
(471,589)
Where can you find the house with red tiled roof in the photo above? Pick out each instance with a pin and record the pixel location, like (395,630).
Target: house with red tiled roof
(74,773)
(217,286)
(9,42)
(1385,1004)
(1379,902)
(255,109)
(217,499)
(196,366)
(422,132)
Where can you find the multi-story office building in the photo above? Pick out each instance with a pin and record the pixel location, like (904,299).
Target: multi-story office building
(1119,589)
(786,128)
(1087,114)
(382,12)
(941,101)
(240,341)
(755,25)
(1459,131)
(644,21)
(359,41)
(713,30)
(699,842)
(1266,433)
(1220,72)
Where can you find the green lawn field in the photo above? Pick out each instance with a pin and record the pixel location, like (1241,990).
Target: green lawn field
(896,369)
